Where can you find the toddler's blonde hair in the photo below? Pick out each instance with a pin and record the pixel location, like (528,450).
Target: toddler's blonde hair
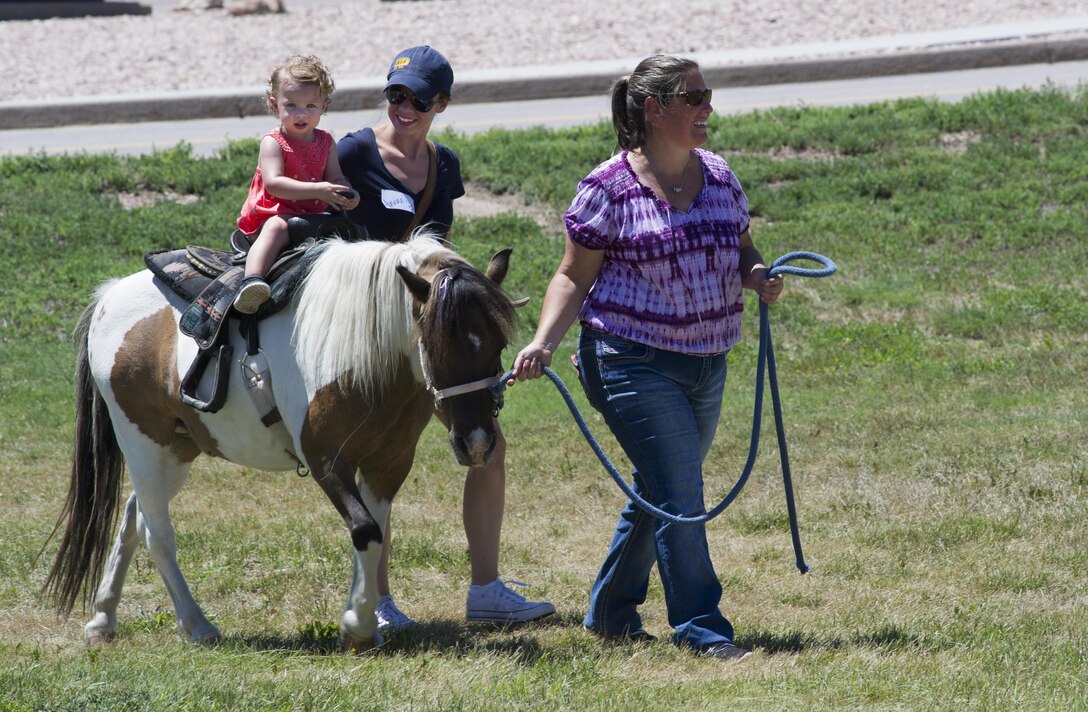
(300,69)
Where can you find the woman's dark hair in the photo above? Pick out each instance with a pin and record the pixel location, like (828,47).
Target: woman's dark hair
(658,76)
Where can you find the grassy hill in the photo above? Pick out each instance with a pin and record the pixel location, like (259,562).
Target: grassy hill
(934,400)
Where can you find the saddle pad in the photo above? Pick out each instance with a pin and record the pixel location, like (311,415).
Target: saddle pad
(178,271)
(173,268)
(206,314)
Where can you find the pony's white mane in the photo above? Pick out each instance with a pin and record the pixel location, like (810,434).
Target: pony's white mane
(355,313)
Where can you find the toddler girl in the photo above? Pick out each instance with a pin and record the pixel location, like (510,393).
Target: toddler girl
(298,171)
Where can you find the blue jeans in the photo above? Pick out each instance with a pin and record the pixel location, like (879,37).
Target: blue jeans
(663,408)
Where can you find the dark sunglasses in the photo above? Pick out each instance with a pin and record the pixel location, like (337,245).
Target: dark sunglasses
(397,96)
(695,97)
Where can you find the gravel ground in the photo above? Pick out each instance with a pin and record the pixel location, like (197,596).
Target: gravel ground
(170,50)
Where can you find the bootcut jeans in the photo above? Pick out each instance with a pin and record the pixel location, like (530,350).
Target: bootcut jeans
(663,408)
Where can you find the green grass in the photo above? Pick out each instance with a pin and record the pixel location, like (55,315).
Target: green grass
(934,399)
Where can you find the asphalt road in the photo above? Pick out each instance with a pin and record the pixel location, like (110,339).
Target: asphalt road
(208,135)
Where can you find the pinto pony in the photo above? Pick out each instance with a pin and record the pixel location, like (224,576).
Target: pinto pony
(377,336)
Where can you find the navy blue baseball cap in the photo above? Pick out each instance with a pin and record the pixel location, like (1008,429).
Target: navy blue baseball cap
(423,70)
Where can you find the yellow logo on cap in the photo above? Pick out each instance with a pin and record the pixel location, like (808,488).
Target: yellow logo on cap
(402,63)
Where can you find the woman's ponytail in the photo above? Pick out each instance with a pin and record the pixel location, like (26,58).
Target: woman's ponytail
(658,76)
(623,119)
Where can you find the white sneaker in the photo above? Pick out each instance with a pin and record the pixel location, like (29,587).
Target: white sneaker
(254,292)
(496,603)
(390,617)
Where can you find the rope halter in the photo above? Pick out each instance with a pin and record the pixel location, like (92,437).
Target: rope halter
(440,394)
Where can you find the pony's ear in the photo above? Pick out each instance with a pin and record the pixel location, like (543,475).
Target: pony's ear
(500,262)
(419,287)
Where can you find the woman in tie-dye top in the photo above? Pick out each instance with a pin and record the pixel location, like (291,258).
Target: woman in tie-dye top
(658,250)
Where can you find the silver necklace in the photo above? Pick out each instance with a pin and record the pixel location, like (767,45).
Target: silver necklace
(683,179)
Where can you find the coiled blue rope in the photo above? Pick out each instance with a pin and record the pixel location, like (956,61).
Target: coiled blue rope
(765,362)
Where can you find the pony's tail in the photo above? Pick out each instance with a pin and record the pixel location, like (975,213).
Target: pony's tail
(94,491)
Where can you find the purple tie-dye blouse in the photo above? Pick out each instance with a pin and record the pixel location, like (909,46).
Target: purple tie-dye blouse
(670,279)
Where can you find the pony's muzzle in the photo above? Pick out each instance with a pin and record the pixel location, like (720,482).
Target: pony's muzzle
(474,449)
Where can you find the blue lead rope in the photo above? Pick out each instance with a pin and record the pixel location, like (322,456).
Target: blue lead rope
(766,362)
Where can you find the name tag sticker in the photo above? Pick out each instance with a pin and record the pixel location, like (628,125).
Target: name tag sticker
(395,200)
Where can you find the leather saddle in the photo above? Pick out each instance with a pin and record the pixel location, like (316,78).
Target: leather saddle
(209,279)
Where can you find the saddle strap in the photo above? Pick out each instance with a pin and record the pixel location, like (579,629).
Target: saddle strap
(188,390)
(428,191)
(258,380)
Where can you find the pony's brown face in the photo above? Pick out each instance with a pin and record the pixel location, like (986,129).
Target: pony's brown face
(466,322)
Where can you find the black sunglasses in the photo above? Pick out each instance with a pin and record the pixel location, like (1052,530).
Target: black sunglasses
(695,97)
(397,96)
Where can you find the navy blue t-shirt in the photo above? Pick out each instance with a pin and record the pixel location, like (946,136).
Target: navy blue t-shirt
(386,207)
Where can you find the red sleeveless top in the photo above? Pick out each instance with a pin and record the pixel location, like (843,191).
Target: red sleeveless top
(301,161)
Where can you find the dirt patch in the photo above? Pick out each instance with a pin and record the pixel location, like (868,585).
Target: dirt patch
(479,202)
(147,198)
(958,141)
(787,153)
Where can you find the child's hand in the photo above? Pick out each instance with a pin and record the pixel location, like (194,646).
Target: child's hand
(350,198)
(339,197)
(345,198)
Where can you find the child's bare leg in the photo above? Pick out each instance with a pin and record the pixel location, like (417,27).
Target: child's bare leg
(271,241)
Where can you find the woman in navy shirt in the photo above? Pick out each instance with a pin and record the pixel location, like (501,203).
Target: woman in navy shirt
(391,174)
(388,166)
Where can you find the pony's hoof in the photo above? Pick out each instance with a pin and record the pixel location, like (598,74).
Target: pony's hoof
(357,646)
(205,635)
(94,639)
(100,629)
(210,640)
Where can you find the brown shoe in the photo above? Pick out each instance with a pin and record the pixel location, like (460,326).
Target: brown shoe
(726,651)
(628,636)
